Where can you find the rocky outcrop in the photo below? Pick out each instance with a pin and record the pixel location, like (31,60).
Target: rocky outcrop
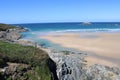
(69,67)
(86,23)
(101,72)
(11,35)
(73,67)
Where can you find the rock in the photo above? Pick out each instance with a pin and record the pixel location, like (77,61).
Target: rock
(69,67)
(86,23)
(11,35)
(2,34)
(17,29)
(100,72)
(22,29)
(73,67)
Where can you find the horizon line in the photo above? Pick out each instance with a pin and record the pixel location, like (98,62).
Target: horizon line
(65,22)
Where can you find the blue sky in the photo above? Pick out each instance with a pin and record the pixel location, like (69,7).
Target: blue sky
(33,11)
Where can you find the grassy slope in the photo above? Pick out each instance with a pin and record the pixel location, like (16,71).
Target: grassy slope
(25,54)
(34,57)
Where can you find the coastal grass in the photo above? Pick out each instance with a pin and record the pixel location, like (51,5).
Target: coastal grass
(32,56)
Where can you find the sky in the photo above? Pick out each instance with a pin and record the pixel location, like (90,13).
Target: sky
(42,11)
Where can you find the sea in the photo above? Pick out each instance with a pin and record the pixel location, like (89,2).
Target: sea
(42,29)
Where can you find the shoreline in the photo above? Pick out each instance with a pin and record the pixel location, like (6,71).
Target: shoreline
(101,49)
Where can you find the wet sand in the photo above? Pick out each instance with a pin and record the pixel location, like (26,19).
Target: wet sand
(102,48)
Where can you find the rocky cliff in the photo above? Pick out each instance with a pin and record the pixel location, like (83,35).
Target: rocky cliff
(72,66)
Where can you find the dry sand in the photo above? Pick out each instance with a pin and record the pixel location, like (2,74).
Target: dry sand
(103,48)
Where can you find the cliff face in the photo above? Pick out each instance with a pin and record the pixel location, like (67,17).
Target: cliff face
(69,67)
(72,67)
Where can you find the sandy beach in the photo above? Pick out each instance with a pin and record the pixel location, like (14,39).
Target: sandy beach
(102,48)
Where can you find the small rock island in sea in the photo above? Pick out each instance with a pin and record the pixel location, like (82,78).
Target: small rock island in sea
(86,23)
(20,61)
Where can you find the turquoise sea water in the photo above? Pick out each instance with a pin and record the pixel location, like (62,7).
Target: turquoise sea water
(41,29)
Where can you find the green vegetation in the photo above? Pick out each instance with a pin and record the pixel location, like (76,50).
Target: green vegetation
(34,57)
(32,61)
(4,27)
(22,54)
